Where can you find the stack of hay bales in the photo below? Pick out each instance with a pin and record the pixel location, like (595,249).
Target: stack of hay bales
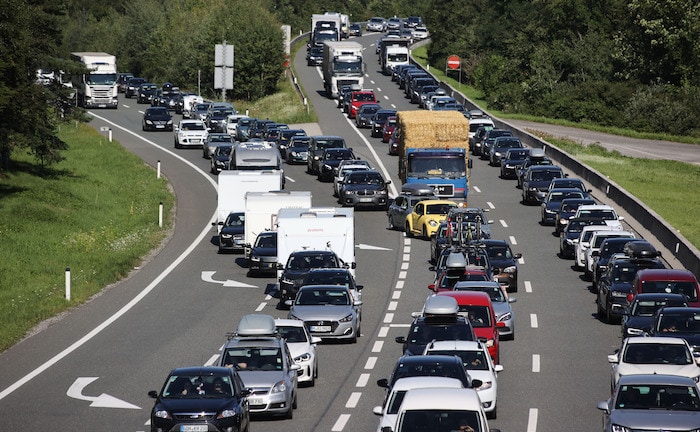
(432,129)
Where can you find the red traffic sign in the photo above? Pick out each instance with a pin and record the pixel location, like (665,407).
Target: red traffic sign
(453,62)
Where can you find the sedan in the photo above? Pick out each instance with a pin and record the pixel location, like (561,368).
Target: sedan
(231,234)
(364,188)
(653,355)
(220,158)
(328,311)
(552,203)
(297,151)
(503,263)
(652,403)
(512,161)
(365,113)
(213,141)
(501,304)
(302,347)
(157,119)
(378,121)
(388,129)
(190,133)
(201,398)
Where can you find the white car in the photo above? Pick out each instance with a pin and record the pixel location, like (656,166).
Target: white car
(302,347)
(420,33)
(188,102)
(344,168)
(479,365)
(190,133)
(653,355)
(232,123)
(582,243)
(594,246)
(393,399)
(605,212)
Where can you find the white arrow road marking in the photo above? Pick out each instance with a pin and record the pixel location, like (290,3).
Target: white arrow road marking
(363,246)
(208,276)
(102,401)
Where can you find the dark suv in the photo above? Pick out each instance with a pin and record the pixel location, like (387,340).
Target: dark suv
(297,267)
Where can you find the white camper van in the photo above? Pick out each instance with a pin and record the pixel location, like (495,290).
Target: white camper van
(233,185)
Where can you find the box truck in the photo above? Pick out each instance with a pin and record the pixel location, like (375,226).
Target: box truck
(233,185)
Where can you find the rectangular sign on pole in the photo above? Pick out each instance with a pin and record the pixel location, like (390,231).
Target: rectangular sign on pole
(223,55)
(223,78)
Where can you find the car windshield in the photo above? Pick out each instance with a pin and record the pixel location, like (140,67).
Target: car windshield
(303,262)
(438,209)
(422,333)
(499,252)
(329,278)
(472,360)
(224,151)
(623,274)
(196,386)
(253,358)
(363,97)
(330,143)
(219,138)
(679,287)
(495,292)
(439,420)
(235,219)
(325,297)
(667,397)
(657,353)
(337,155)
(647,308)
(365,178)
(300,144)
(599,214)
(266,241)
(193,126)
(292,334)
(478,316)
(679,323)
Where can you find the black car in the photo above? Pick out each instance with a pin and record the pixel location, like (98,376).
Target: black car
(220,158)
(512,161)
(364,188)
(681,322)
(601,257)
(552,203)
(297,266)
(314,56)
(637,318)
(570,234)
(132,86)
(499,148)
(365,113)
(297,151)
(503,262)
(157,118)
(380,117)
(615,285)
(449,235)
(145,93)
(429,365)
(231,236)
(355,29)
(536,182)
(216,119)
(567,210)
(285,136)
(122,80)
(483,147)
(426,329)
(205,396)
(329,161)
(243,129)
(262,255)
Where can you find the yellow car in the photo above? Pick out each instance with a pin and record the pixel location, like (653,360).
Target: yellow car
(426,216)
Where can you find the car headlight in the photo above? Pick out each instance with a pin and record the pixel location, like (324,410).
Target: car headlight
(618,428)
(287,281)
(346,318)
(162,414)
(327,168)
(170,121)
(226,236)
(505,317)
(532,189)
(149,122)
(550,211)
(302,358)
(227,413)
(280,387)
(489,343)
(433,223)
(510,270)
(484,386)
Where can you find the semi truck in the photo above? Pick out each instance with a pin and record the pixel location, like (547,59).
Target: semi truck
(261,210)
(393,52)
(316,228)
(342,65)
(98,87)
(324,28)
(434,150)
(233,185)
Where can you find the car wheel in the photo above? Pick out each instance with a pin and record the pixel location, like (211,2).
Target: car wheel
(391,224)
(294,402)
(408,230)
(425,233)
(608,315)
(493,414)
(290,413)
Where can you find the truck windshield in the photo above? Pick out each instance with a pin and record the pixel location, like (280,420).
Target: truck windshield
(398,57)
(348,67)
(101,79)
(439,167)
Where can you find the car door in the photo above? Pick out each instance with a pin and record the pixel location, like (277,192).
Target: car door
(416,216)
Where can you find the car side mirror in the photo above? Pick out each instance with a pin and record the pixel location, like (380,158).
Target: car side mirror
(153,394)
(383,382)
(359,287)
(280,266)
(400,339)
(476,383)
(518,256)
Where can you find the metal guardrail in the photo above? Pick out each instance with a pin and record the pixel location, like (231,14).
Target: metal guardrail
(683,251)
(293,77)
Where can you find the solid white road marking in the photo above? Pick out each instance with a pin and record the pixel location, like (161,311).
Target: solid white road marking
(340,423)
(535,362)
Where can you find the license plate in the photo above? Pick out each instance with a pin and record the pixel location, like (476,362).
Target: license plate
(255,401)
(102,106)
(365,199)
(160,126)
(237,241)
(320,329)
(194,428)
(267,265)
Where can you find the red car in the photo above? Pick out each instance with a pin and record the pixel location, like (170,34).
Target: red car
(674,281)
(477,307)
(447,279)
(359,98)
(388,129)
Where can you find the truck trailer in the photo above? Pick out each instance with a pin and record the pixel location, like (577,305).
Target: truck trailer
(233,185)
(261,210)
(434,150)
(98,87)
(342,65)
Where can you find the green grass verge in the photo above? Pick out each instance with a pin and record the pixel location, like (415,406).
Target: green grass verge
(95,212)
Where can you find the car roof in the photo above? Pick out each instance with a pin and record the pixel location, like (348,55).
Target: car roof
(457,345)
(636,379)
(656,340)
(460,399)
(411,382)
(476,298)
(666,275)
(201,370)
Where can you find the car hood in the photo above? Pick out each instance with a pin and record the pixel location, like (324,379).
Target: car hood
(264,251)
(660,420)
(232,230)
(503,263)
(621,286)
(638,322)
(298,348)
(689,370)
(258,378)
(361,187)
(198,404)
(692,338)
(201,134)
(321,312)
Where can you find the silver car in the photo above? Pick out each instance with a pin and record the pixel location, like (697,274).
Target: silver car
(652,403)
(501,304)
(328,311)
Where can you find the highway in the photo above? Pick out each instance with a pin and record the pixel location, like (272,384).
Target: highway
(92,368)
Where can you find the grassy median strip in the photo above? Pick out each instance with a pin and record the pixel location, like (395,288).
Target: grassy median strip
(95,212)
